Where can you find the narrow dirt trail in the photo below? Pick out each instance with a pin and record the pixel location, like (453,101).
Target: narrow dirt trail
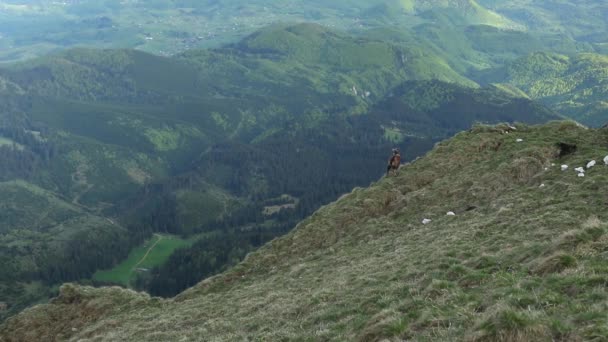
(160,237)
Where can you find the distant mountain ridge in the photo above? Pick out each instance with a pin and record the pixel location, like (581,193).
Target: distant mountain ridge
(576,86)
(169,27)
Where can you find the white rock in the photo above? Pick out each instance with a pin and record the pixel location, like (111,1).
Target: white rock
(564,167)
(580,169)
(546,169)
(581,175)
(451,213)
(542,186)
(513,128)
(520,140)
(591,164)
(606,160)
(552,164)
(426,221)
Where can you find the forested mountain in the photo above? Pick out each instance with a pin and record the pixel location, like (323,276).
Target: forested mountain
(222,124)
(30,28)
(315,165)
(520,256)
(102,148)
(576,86)
(583,20)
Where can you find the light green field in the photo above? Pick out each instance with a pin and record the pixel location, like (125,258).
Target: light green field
(9,142)
(152,253)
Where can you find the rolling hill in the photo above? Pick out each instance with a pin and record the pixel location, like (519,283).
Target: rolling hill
(583,20)
(31,28)
(576,86)
(521,259)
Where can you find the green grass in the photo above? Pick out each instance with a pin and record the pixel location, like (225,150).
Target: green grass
(152,253)
(9,142)
(519,262)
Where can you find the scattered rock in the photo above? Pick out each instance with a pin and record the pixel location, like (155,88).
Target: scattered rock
(542,185)
(581,175)
(606,160)
(520,140)
(591,164)
(580,169)
(564,167)
(426,221)
(451,213)
(513,128)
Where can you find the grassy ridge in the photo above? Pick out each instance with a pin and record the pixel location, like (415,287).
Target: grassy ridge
(519,261)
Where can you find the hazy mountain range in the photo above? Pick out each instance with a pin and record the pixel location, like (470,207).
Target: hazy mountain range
(154,144)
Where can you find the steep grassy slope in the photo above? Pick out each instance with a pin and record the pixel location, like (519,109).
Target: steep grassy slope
(414,116)
(576,86)
(523,259)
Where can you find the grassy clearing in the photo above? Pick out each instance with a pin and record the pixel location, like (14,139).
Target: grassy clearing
(152,253)
(9,142)
(518,262)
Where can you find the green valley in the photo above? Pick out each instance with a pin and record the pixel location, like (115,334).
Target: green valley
(522,259)
(133,144)
(205,153)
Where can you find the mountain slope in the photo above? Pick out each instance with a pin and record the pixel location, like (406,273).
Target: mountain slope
(212,141)
(166,27)
(583,20)
(519,261)
(44,239)
(576,86)
(414,116)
